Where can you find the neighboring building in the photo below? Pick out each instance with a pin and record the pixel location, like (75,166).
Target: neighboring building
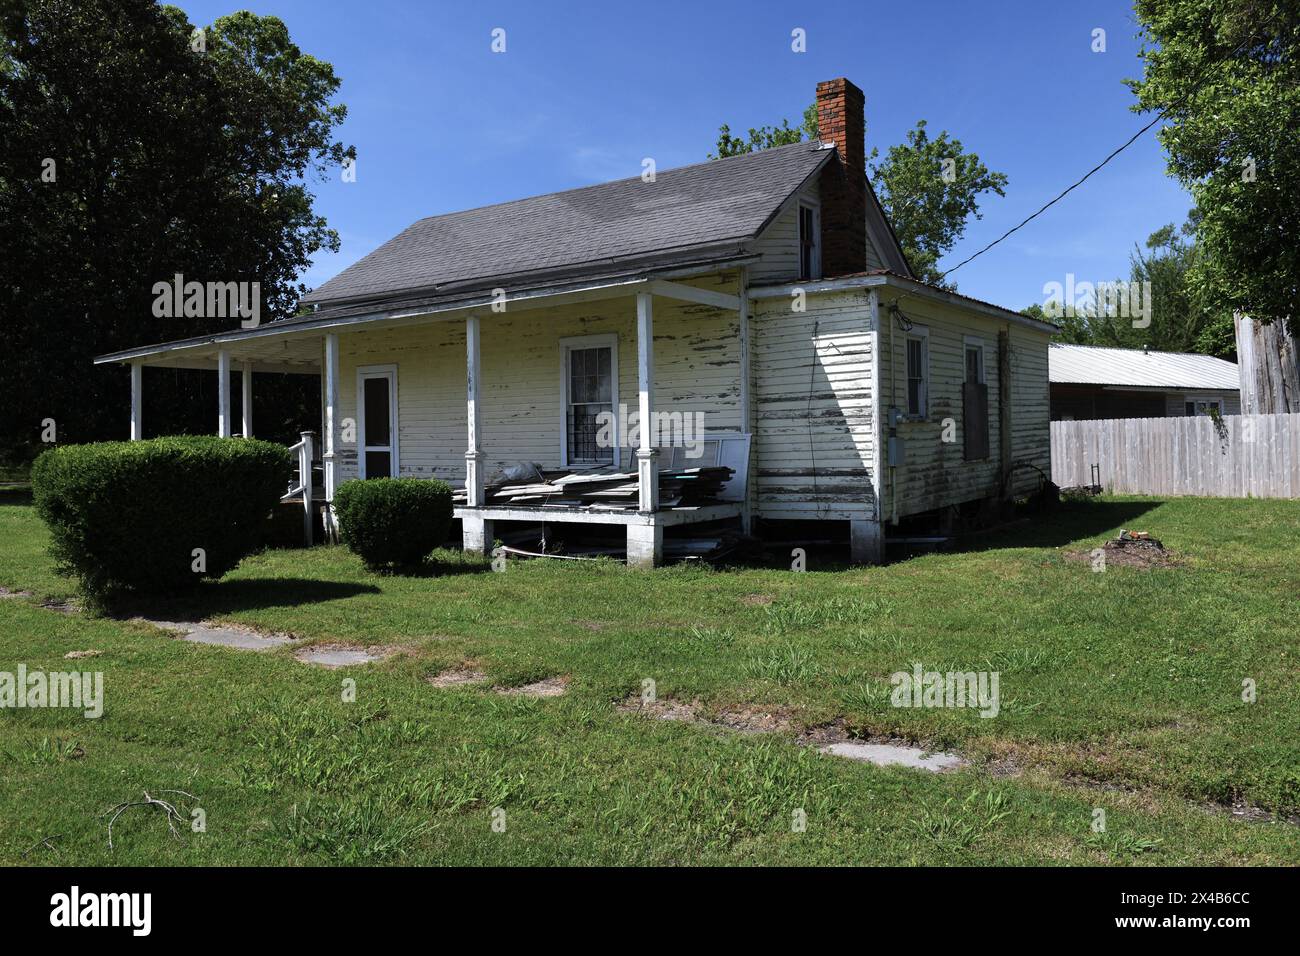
(1090,381)
(765,293)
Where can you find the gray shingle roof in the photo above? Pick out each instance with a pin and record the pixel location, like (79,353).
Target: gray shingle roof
(689,207)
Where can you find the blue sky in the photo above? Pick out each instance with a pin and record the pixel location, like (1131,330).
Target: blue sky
(584,91)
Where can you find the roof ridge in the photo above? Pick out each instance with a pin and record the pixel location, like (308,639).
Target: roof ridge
(813,145)
(1144,351)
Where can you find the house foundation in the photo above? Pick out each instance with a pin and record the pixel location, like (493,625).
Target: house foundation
(866,542)
(476,534)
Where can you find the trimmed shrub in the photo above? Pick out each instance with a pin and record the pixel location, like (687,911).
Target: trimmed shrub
(393,522)
(127,516)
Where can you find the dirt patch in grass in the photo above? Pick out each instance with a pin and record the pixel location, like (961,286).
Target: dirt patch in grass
(839,731)
(6,593)
(662,709)
(457,677)
(62,607)
(1239,809)
(753,720)
(757,600)
(1141,553)
(546,687)
(591,625)
(77,655)
(747,719)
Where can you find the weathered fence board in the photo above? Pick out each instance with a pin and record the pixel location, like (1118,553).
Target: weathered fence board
(1240,456)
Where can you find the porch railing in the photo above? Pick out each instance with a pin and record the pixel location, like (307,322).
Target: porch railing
(302,487)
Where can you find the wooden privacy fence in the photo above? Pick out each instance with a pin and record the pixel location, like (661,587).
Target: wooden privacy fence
(1239,456)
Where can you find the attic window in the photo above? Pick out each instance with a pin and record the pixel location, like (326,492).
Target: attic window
(810,254)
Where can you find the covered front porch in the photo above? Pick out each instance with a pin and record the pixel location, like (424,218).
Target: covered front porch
(387,383)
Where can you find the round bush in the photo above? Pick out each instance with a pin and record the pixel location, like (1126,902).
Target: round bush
(129,515)
(393,522)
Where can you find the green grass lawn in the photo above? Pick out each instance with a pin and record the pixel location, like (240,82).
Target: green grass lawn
(1120,691)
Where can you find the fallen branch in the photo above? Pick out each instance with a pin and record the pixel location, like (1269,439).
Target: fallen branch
(170,811)
(43,841)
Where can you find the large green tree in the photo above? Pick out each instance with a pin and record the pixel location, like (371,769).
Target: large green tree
(135,149)
(1226,76)
(928,188)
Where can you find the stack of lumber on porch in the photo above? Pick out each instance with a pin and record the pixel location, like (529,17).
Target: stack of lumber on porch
(608,490)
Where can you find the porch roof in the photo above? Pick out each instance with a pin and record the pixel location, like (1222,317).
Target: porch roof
(293,345)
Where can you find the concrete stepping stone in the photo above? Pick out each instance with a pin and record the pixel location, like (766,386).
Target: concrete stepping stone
(197,633)
(6,593)
(333,656)
(893,755)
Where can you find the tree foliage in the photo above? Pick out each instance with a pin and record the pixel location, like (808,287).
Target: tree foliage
(1226,74)
(930,188)
(1182,318)
(765,137)
(165,159)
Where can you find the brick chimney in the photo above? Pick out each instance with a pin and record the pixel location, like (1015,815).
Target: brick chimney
(841,120)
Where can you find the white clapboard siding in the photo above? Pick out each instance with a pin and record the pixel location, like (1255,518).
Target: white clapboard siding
(1244,456)
(934,473)
(814,414)
(697,369)
(778,245)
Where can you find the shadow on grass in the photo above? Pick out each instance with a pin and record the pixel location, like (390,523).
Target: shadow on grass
(227,597)
(443,562)
(1072,521)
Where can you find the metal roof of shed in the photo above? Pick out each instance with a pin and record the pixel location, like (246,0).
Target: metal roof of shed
(1098,365)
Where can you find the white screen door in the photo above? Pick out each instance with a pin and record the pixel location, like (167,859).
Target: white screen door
(377,421)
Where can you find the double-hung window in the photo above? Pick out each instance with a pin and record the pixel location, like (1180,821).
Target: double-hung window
(810,255)
(918,373)
(590,389)
(1203,406)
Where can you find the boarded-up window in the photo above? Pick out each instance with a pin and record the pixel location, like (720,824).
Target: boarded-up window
(975,406)
(975,420)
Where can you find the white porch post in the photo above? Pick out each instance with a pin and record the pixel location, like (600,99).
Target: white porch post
(304,478)
(247,403)
(331,426)
(746,386)
(647,466)
(137,395)
(223,393)
(473,454)
(476,532)
(645,543)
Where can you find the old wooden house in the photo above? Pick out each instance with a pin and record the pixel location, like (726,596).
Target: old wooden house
(757,309)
